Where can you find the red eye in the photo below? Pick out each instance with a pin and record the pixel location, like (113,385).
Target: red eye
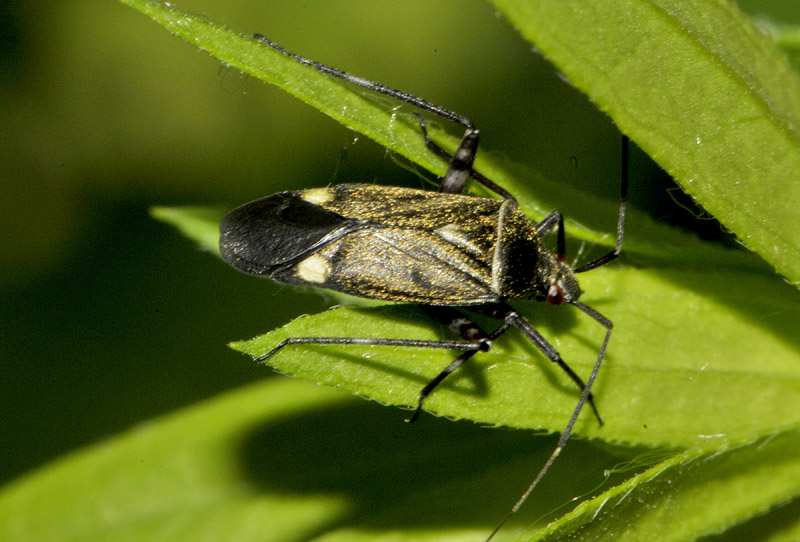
(555,295)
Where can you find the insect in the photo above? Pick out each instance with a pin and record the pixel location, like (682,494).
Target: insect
(445,251)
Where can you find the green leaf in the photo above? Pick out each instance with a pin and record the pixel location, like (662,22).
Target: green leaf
(653,390)
(284,461)
(709,488)
(699,88)
(182,478)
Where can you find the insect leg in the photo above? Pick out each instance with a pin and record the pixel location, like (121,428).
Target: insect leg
(451,186)
(429,387)
(460,164)
(602,260)
(554,219)
(373,86)
(459,324)
(586,396)
(546,225)
(512,318)
(474,340)
(371,341)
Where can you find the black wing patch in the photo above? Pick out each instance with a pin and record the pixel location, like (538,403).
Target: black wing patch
(270,233)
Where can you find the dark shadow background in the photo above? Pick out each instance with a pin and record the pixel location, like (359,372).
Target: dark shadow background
(108,318)
(443,474)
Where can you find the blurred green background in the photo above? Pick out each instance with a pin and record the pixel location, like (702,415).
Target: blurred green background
(110,318)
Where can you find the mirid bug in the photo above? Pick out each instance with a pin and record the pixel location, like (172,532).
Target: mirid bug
(445,251)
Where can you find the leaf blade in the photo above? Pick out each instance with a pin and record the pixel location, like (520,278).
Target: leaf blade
(720,111)
(673,397)
(748,477)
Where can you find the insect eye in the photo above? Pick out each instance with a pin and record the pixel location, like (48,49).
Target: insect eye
(555,295)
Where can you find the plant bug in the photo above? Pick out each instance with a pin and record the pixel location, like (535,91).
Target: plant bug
(445,251)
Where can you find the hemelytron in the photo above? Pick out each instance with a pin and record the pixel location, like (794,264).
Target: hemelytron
(445,251)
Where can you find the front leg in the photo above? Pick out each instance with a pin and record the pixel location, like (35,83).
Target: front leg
(468,330)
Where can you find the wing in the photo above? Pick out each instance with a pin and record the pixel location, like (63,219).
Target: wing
(411,245)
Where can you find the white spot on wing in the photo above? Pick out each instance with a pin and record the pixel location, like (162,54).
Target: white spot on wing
(315,268)
(318,196)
